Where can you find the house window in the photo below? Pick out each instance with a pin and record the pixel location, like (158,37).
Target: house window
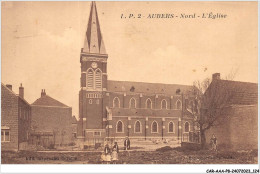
(187,127)
(90,79)
(90,101)
(97,101)
(119,127)
(149,103)
(5,135)
(171,127)
(178,104)
(154,127)
(98,79)
(97,133)
(164,104)
(116,102)
(137,127)
(132,103)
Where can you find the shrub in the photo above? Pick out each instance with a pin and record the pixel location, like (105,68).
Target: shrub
(164,149)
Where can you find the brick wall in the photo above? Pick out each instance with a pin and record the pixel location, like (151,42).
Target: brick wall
(244,127)
(146,127)
(141,101)
(239,130)
(53,119)
(9,117)
(24,121)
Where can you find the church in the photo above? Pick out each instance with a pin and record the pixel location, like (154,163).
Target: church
(116,109)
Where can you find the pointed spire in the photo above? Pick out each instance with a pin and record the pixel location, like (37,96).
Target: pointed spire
(93,40)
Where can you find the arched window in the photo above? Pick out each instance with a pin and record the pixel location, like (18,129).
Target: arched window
(98,79)
(171,127)
(132,103)
(137,127)
(116,102)
(154,127)
(149,103)
(187,127)
(90,79)
(164,104)
(119,127)
(178,104)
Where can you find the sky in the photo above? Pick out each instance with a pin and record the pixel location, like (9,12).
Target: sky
(41,43)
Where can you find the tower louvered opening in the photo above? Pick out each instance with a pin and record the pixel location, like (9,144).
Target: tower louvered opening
(98,79)
(90,79)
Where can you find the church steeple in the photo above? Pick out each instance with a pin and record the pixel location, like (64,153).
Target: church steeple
(93,40)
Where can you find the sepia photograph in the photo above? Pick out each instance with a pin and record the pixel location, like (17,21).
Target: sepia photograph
(129,82)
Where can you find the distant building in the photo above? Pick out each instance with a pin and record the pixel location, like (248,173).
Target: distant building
(238,129)
(51,122)
(115,109)
(15,118)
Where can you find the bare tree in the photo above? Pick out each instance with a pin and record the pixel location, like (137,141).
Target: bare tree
(211,100)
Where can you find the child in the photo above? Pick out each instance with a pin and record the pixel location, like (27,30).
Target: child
(103,158)
(114,156)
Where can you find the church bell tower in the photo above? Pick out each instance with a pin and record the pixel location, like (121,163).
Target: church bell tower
(93,59)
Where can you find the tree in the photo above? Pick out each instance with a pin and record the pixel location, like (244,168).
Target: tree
(211,100)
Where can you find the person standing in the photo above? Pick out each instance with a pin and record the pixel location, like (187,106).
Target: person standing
(116,147)
(127,143)
(107,154)
(114,156)
(213,143)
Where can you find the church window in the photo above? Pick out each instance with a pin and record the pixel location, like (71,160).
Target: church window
(187,127)
(164,104)
(98,79)
(178,104)
(191,105)
(149,103)
(171,127)
(90,79)
(132,103)
(119,127)
(154,127)
(116,102)
(90,101)
(137,127)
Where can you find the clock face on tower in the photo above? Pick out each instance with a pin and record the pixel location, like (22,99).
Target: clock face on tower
(94,65)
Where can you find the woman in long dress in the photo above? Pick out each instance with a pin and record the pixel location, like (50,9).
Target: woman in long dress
(106,157)
(114,156)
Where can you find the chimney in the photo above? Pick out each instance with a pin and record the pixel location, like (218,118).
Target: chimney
(9,86)
(43,93)
(215,76)
(21,91)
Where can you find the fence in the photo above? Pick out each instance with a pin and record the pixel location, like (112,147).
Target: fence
(191,137)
